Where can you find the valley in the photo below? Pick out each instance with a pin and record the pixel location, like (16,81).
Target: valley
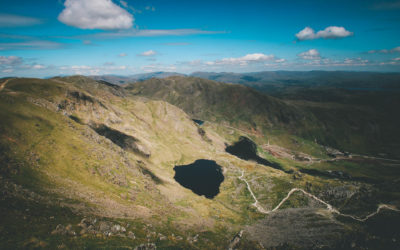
(183,162)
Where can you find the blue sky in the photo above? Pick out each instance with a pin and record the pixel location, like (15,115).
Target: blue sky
(47,37)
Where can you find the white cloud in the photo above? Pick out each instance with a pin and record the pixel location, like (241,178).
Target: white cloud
(122,55)
(331,32)
(249,62)
(38,66)
(106,68)
(10,64)
(306,34)
(281,60)
(326,62)
(95,14)
(385,51)
(311,54)
(10,60)
(244,60)
(158,67)
(393,61)
(148,53)
(17,21)
(355,61)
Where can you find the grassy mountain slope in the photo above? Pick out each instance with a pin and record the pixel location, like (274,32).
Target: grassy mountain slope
(358,108)
(235,105)
(50,147)
(82,159)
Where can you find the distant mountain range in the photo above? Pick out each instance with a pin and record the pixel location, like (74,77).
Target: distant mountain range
(115,79)
(337,78)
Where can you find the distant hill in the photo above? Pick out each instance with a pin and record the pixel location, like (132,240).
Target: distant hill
(275,81)
(115,79)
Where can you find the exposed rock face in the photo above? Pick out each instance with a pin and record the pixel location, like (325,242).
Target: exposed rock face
(61,230)
(93,227)
(298,228)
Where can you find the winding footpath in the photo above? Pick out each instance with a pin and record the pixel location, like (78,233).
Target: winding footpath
(328,206)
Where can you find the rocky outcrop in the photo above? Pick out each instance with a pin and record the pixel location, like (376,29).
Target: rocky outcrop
(235,241)
(147,246)
(93,227)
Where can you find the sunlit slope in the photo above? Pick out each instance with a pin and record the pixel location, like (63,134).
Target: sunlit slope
(78,144)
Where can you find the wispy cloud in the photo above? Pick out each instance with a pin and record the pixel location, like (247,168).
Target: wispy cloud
(158,67)
(331,32)
(122,55)
(10,60)
(95,14)
(393,61)
(7,20)
(148,53)
(106,68)
(248,62)
(150,33)
(385,51)
(244,60)
(30,45)
(9,64)
(327,62)
(23,42)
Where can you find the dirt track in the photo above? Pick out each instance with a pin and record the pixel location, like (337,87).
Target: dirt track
(329,207)
(4,84)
